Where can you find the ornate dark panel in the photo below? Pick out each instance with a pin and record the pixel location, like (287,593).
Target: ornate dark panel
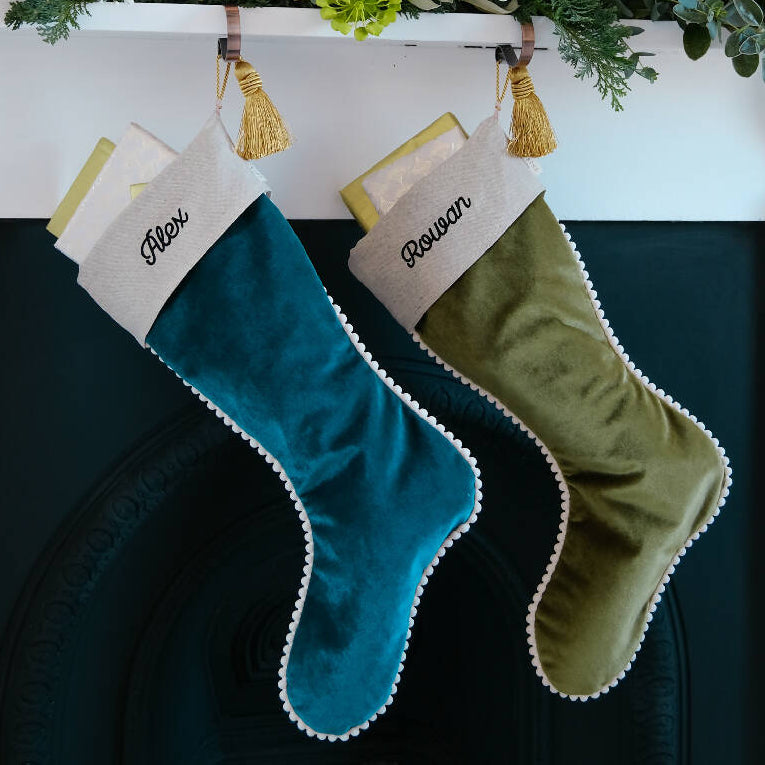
(153,629)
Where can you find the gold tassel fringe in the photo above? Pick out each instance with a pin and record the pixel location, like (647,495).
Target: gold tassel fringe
(531,130)
(262,131)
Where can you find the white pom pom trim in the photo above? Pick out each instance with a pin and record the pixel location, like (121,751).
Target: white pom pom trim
(306,524)
(558,548)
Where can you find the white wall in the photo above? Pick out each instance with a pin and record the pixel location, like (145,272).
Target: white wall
(690,147)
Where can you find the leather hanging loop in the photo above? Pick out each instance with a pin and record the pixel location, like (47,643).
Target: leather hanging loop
(230,47)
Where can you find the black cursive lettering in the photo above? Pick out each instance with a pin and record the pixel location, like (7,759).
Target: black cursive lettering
(149,241)
(160,238)
(416,248)
(408,251)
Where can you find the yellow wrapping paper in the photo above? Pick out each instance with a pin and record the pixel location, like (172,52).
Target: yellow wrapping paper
(82,183)
(136,189)
(355,195)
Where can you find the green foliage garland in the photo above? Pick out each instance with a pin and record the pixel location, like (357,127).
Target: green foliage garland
(591,37)
(594,43)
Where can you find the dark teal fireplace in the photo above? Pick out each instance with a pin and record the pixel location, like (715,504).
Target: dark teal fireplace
(150,559)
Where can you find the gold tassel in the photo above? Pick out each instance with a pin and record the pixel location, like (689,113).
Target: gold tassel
(532,134)
(262,131)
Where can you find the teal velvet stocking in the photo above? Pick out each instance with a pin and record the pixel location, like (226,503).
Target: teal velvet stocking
(251,328)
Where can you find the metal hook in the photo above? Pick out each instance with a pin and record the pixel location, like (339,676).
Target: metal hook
(230,47)
(507,54)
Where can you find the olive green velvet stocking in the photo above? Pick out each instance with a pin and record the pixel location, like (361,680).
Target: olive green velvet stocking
(472,262)
(640,477)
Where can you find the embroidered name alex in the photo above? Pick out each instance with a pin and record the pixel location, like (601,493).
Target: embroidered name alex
(159,238)
(416,248)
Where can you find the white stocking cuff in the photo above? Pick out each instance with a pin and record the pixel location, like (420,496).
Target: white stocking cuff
(443,224)
(147,250)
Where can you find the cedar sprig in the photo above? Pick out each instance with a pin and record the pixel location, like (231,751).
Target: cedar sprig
(594,43)
(53,19)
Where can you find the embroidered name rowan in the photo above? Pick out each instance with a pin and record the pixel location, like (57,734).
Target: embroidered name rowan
(159,238)
(416,248)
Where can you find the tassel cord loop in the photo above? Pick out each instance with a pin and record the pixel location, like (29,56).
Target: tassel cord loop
(501,94)
(220,90)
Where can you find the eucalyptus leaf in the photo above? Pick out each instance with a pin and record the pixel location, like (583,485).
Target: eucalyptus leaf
(648,73)
(713,29)
(690,15)
(751,46)
(688,3)
(633,30)
(731,17)
(732,44)
(630,65)
(696,41)
(749,11)
(746,66)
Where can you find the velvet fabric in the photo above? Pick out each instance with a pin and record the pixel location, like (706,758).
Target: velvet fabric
(642,477)
(252,329)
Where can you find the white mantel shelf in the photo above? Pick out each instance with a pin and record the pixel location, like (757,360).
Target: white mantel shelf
(291,24)
(350,103)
